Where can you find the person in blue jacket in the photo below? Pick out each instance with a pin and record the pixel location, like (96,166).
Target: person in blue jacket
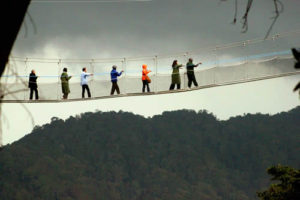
(114,80)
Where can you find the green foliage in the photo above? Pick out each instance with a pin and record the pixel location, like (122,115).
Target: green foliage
(288,187)
(176,155)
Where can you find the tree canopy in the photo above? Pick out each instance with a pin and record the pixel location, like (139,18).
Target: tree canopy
(288,187)
(176,155)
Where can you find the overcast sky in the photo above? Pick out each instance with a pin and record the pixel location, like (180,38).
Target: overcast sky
(122,29)
(96,30)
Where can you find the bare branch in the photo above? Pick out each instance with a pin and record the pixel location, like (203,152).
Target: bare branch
(32,22)
(245,17)
(6,91)
(277,13)
(235,12)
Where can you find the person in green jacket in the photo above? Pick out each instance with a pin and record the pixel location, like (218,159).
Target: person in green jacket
(65,83)
(175,75)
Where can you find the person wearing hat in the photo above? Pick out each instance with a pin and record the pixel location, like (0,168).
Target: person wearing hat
(145,78)
(114,80)
(65,83)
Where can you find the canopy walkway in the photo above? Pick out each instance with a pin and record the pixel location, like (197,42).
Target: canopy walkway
(234,63)
(152,93)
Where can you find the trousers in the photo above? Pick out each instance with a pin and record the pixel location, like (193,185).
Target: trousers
(146,84)
(191,79)
(172,86)
(34,90)
(86,87)
(114,87)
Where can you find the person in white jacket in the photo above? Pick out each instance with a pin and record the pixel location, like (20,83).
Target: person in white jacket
(84,82)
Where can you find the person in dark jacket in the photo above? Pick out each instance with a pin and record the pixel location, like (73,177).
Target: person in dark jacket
(33,85)
(65,83)
(175,75)
(190,73)
(114,80)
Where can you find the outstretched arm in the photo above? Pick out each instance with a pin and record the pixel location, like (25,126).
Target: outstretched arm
(200,63)
(119,74)
(88,74)
(146,72)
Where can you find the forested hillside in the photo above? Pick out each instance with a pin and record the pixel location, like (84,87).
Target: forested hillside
(174,156)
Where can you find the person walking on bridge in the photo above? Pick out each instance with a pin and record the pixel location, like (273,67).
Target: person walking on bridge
(65,83)
(84,82)
(145,78)
(114,80)
(190,73)
(175,75)
(33,85)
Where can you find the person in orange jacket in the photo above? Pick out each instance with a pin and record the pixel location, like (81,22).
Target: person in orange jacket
(145,78)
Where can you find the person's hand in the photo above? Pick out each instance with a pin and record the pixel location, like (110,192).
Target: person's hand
(200,63)
(122,71)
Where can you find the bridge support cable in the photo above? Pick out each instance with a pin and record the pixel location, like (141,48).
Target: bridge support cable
(227,64)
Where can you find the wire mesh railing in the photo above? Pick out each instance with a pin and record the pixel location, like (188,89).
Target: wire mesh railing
(231,63)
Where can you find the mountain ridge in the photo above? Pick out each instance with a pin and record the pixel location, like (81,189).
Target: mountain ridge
(177,155)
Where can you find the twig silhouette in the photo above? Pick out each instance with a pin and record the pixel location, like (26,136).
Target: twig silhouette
(235,12)
(277,13)
(245,17)
(278,10)
(6,91)
(32,22)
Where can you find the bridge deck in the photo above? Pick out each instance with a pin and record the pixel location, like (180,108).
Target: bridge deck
(154,93)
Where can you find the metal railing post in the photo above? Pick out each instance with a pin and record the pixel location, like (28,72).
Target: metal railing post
(92,81)
(156,78)
(185,71)
(216,64)
(58,78)
(246,61)
(25,71)
(124,62)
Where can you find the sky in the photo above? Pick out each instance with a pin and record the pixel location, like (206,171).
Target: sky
(106,29)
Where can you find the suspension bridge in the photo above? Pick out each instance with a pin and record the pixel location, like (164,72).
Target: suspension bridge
(234,63)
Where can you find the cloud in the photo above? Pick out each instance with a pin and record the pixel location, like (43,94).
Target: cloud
(142,28)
